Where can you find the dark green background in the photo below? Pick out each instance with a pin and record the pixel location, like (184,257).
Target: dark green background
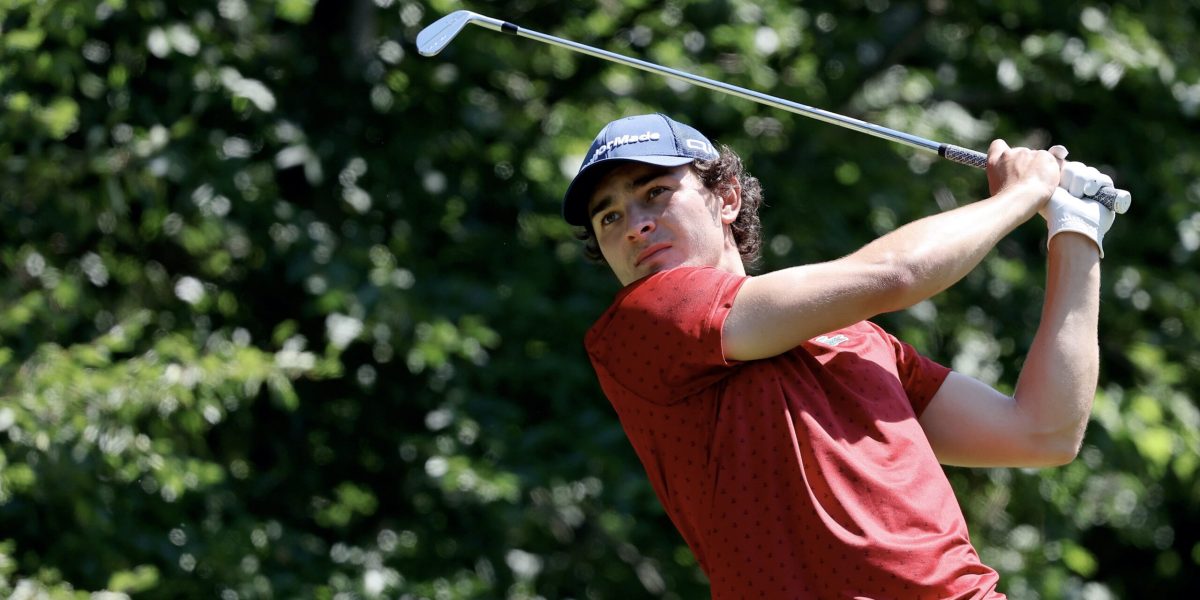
(287,310)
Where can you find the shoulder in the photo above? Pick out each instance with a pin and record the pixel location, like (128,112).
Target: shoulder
(672,287)
(681,281)
(683,299)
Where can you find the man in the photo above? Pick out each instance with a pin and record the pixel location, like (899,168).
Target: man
(794,444)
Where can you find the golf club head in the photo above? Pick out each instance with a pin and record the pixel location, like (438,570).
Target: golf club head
(438,34)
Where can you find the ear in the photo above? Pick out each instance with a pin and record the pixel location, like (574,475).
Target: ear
(731,201)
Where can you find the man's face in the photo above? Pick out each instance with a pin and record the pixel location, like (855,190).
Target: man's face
(648,218)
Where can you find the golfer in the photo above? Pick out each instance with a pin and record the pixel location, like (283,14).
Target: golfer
(793,443)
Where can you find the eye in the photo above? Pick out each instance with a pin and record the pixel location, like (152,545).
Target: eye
(609,218)
(655,191)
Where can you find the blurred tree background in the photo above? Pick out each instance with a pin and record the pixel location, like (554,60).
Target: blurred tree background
(287,310)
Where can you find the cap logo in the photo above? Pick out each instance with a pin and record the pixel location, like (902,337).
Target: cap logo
(649,136)
(700,145)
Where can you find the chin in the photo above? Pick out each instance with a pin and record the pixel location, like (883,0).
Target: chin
(656,267)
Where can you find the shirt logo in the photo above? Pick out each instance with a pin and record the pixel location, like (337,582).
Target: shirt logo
(831,341)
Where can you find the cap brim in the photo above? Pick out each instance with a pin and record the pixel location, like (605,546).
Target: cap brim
(579,193)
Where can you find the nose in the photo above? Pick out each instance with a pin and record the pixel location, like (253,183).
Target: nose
(641,224)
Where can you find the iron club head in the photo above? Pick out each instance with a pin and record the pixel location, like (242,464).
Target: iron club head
(438,34)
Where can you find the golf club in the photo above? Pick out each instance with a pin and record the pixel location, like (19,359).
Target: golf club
(435,37)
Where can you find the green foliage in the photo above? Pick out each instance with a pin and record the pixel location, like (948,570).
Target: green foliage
(287,309)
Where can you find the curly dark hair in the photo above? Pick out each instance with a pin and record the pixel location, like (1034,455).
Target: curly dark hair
(717,175)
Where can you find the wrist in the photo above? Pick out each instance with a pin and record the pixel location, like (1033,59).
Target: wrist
(1073,243)
(1030,193)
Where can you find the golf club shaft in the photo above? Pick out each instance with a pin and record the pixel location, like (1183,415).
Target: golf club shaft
(1111,198)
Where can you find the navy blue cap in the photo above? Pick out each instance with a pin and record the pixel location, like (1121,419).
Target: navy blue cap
(651,139)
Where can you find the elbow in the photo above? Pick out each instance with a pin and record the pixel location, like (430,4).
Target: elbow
(1060,458)
(901,281)
(1057,442)
(1057,449)
(888,279)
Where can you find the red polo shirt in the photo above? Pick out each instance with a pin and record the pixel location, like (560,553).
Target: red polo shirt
(805,475)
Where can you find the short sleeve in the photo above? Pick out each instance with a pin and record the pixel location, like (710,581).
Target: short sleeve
(661,338)
(921,377)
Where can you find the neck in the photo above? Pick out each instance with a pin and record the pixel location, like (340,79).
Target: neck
(731,258)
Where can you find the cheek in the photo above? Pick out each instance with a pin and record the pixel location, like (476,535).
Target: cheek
(606,252)
(607,245)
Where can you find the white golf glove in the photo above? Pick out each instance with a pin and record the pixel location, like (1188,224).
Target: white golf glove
(1067,210)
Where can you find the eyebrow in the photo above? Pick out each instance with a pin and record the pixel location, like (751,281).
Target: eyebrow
(606,201)
(600,207)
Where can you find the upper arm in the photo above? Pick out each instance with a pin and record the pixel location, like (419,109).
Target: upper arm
(777,311)
(968,423)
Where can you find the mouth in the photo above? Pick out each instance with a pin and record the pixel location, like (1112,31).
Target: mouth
(649,252)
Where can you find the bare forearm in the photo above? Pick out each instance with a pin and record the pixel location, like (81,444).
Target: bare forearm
(776,311)
(1058,382)
(938,251)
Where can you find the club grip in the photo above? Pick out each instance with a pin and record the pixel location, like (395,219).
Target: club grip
(1113,199)
(963,156)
